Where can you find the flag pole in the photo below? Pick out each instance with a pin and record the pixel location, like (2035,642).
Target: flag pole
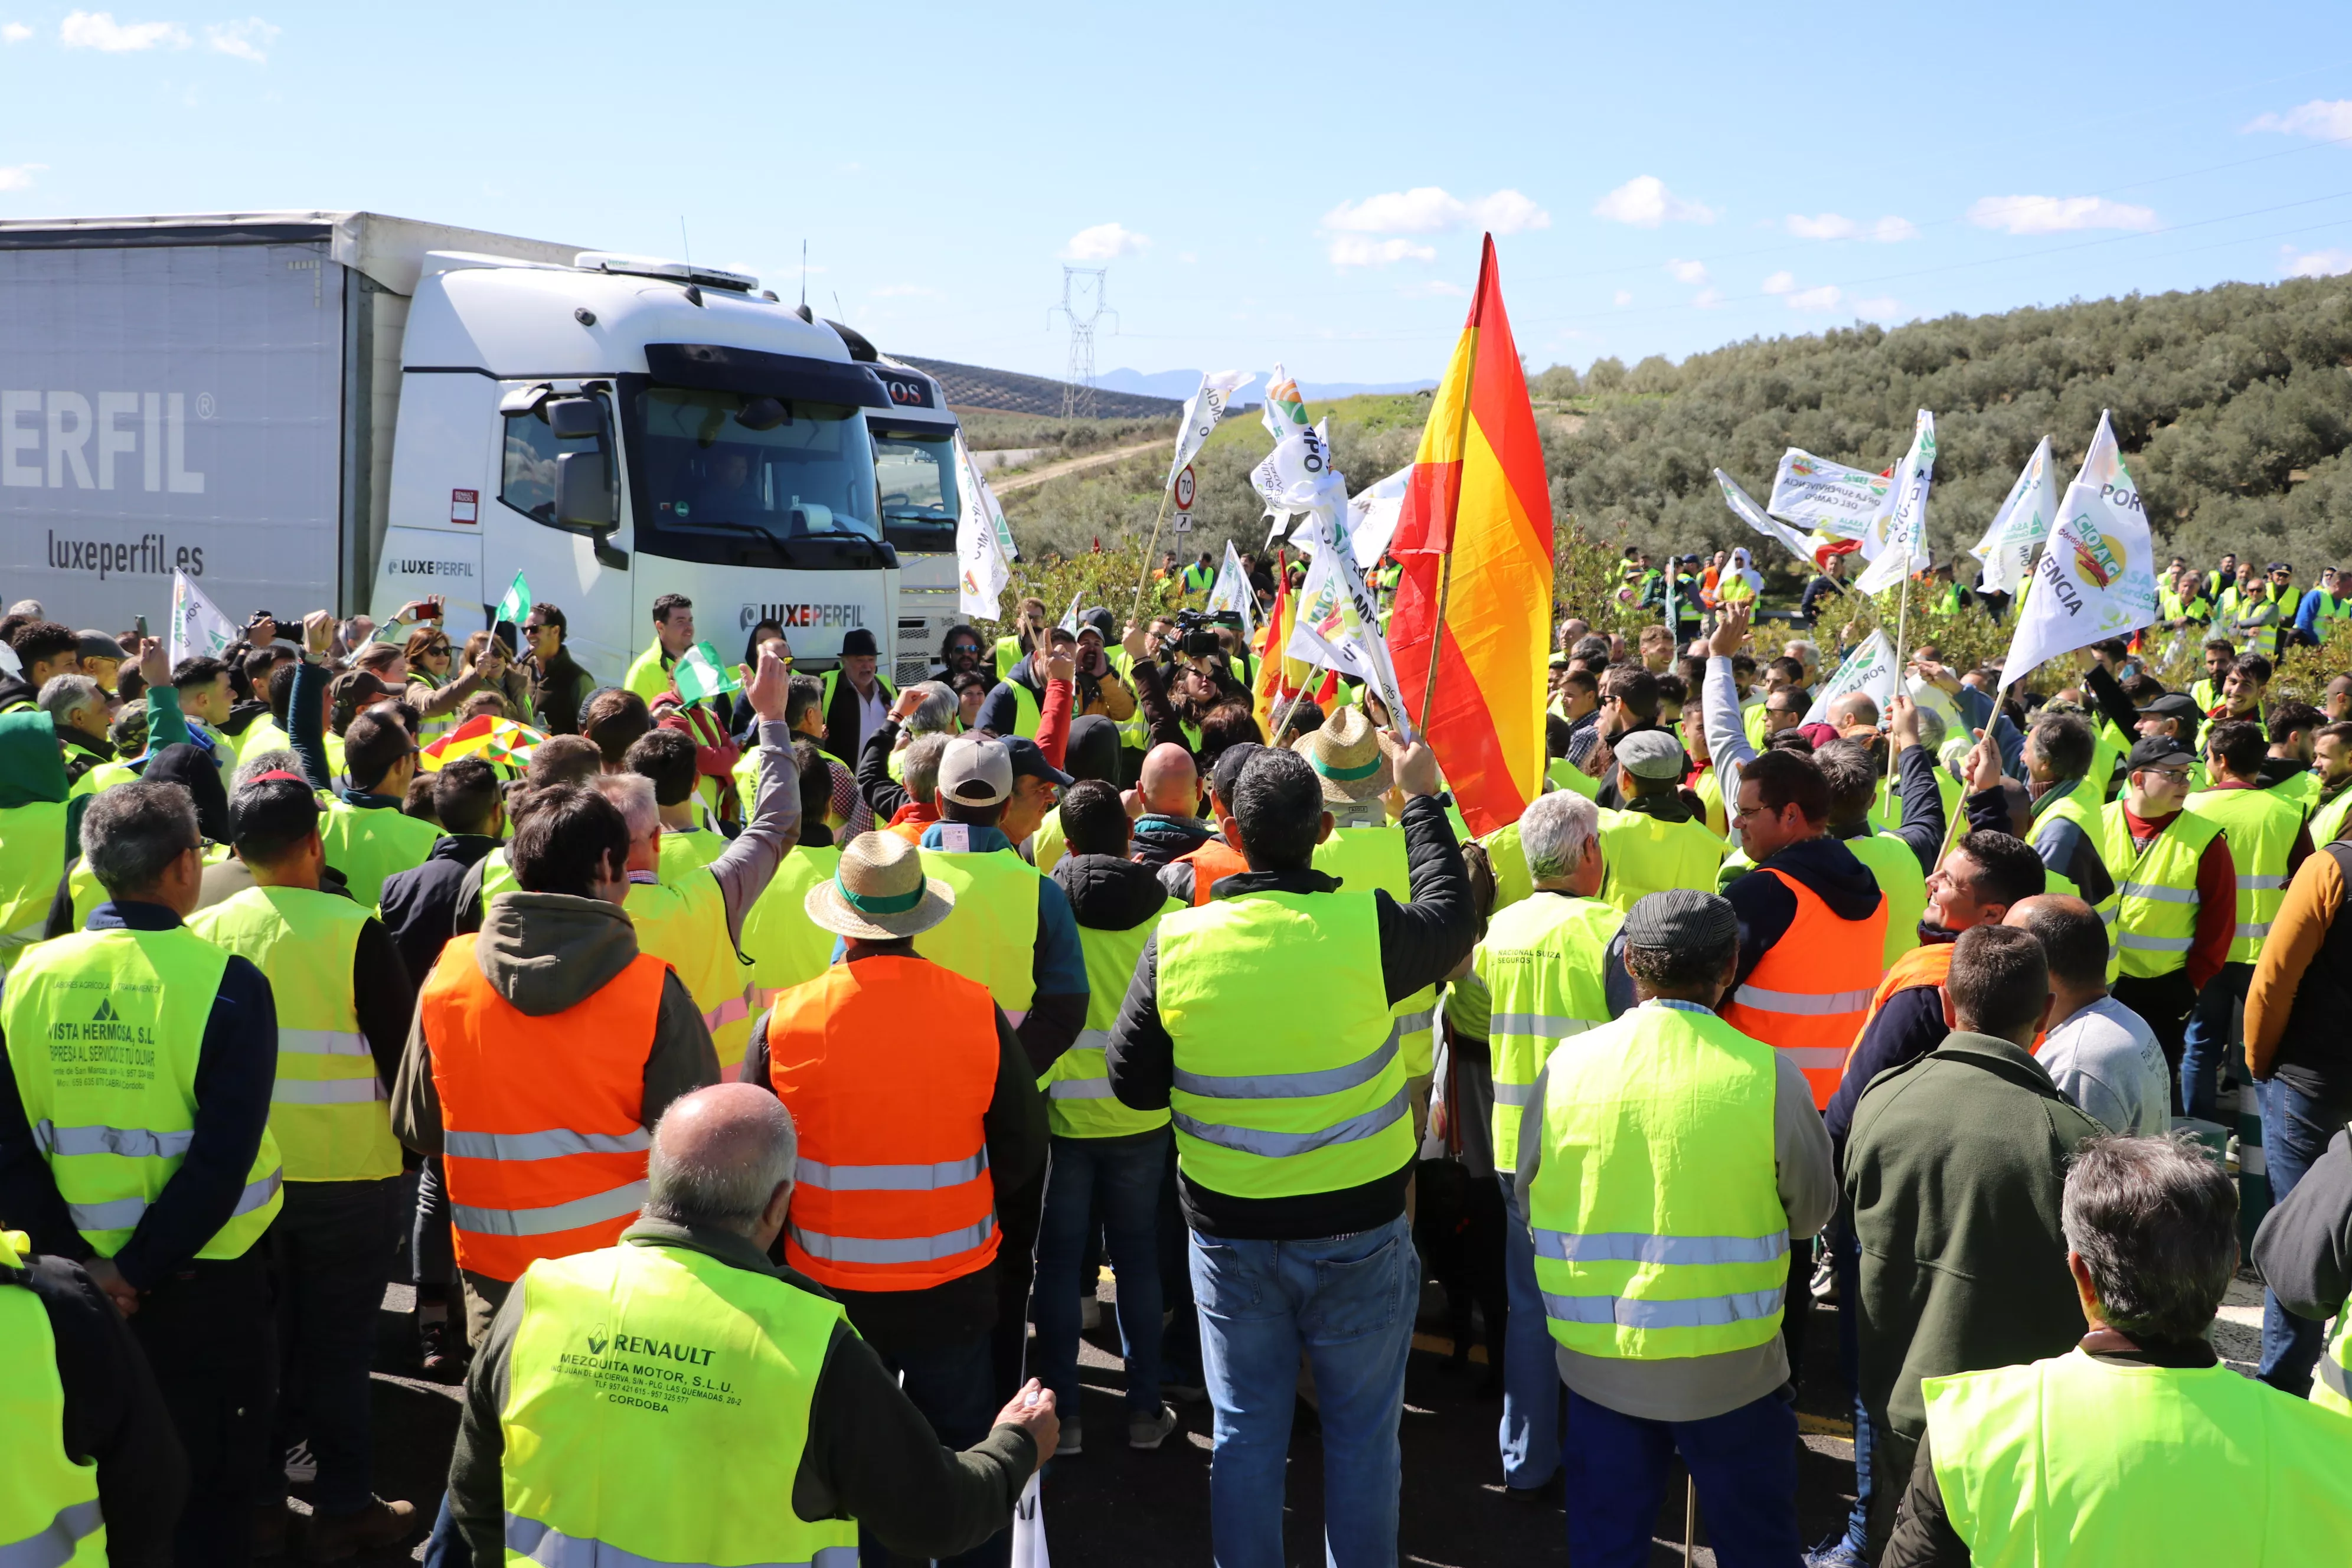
(1292,706)
(1167,493)
(1445,572)
(1902,615)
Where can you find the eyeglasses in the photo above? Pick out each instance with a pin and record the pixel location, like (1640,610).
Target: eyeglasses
(437,647)
(2170,775)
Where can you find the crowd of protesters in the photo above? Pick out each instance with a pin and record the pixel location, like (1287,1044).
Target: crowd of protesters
(751,1088)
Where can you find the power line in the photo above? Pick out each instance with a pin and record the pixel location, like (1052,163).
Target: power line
(1084,289)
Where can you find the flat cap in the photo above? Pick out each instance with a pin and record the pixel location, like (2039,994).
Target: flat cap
(1650,754)
(1680,917)
(2174,705)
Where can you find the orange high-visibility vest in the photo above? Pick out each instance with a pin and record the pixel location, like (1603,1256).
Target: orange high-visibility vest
(543,1140)
(1809,994)
(1924,965)
(1211,861)
(888,1066)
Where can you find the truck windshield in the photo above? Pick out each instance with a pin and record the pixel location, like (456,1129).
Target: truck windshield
(917,471)
(795,491)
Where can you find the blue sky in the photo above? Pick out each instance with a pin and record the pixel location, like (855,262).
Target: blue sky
(1306,186)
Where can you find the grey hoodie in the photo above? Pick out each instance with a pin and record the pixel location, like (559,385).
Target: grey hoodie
(545,952)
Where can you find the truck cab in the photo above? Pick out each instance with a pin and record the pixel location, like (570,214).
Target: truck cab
(919,468)
(625,427)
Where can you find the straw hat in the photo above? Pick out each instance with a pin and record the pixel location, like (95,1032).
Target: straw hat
(878,893)
(1347,754)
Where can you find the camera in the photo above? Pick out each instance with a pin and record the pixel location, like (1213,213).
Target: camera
(1196,630)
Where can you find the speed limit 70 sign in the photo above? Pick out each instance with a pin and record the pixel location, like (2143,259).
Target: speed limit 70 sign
(1184,489)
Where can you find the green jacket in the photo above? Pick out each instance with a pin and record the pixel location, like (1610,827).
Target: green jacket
(1953,1175)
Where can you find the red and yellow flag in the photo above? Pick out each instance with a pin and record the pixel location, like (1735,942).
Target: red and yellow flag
(1478,493)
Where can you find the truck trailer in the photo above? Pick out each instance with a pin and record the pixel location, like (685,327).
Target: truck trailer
(349,410)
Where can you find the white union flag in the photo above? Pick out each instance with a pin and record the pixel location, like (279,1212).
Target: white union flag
(2097,578)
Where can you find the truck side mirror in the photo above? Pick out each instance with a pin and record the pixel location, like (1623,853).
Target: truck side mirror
(583,490)
(575,418)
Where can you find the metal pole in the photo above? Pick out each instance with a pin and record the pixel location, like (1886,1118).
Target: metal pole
(1445,573)
(1690,1516)
(1144,576)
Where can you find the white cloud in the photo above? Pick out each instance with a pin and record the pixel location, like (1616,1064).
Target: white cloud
(1706,299)
(906,291)
(1431,209)
(19,176)
(1779,283)
(2309,263)
(1354,250)
(14,32)
(2057,214)
(1824,298)
(1625,298)
(247,40)
(1645,202)
(1687,271)
(1830,226)
(1188,258)
(1879,308)
(99,30)
(2322,119)
(1104,242)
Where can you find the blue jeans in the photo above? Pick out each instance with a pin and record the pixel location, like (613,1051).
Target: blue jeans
(1348,1301)
(952,1385)
(2208,1037)
(2296,1131)
(1120,1178)
(1530,1439)
(1744,1461)
(1846,1250)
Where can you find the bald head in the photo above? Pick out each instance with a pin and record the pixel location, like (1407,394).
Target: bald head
(722,1158)
(1170,781)
(2074,942)
(1854,710)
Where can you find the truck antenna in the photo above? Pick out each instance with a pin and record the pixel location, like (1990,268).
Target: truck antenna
(804,274)
(686,244)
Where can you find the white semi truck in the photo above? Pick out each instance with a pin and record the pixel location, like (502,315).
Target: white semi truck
(920,471)
(345,409)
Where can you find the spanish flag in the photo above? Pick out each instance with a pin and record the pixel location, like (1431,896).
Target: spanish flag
(1478,495)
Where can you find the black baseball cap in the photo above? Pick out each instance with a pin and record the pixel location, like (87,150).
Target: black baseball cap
(2173,705)
(2159,752)
(1029,761)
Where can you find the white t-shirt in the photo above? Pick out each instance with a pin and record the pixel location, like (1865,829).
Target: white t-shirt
(2106,1060)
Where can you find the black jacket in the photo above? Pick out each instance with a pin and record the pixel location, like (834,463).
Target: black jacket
(420,905)
(2303,1249)
(841,723)
(1107,893)
(114,1413)
(882,794)
(1420,942)
(559,689)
